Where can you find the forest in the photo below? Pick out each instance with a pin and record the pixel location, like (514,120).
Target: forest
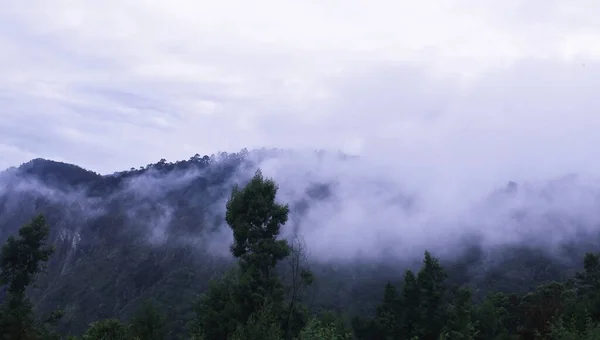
(120,288)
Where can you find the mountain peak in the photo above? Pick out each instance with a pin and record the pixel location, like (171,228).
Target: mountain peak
(56,172)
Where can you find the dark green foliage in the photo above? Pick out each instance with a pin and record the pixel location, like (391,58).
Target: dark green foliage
(16,319)
(419,312)
(20,260)
(430,281)
(540,308)
(113,268)
(270,292)
(494,318)
(389,313)
(460,324)
(588,286)
(249,304)
(562,331)
(426,309)
(262,324)
(217,311)
(298,279)
(147,323)
(109,329)
(255,219)
(318,329)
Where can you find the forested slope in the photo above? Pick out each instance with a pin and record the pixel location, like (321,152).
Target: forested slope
(160,232)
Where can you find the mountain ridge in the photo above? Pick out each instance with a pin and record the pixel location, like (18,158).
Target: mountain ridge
(159,231)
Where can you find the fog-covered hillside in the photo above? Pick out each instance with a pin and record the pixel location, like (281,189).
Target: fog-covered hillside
(159,231)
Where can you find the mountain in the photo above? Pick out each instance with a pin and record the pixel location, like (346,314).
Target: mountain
(123,237)
(158,231)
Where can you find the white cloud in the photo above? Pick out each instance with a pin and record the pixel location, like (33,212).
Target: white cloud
(452,88)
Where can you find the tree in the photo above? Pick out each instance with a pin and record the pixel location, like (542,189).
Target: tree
(300,277)
(319,330)
(16,319)
(147,323)
(20,260)
(263,325)
(411,318)
(588,285)
(562,331)
(217,311)
(460,324)
(539,308)
(389,313)
(492,316)
(430,280)
(109,329)
(418,313)
(253,294)
(256,219)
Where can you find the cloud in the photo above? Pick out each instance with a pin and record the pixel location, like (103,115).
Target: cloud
(452,91)
(345,207)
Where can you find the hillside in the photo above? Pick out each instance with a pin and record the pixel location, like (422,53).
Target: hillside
(159,232)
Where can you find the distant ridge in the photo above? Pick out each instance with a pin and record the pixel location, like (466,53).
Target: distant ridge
(60,173)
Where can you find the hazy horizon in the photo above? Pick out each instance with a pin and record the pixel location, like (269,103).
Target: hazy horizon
(445,101)
(493,91)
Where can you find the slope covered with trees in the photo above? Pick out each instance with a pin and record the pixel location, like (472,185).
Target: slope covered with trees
(99,275)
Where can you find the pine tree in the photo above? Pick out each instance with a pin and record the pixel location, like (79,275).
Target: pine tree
(411,318)
(389,313)
(460,324)
(430,280)
(255,219)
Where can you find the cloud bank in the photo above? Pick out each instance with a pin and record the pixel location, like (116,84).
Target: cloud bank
(444,101)
(496,89)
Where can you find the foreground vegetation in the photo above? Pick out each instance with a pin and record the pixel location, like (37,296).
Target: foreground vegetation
(257,300)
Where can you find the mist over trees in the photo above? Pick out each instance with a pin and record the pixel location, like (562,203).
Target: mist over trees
(210,248)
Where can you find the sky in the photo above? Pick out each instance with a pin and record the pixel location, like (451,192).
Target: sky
(461,88)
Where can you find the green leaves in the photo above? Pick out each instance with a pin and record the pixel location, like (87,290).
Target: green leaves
(21,258)
(249,303)
(218,311)
(109,329)
(262,324)
(255,219)
(460,324)
(320,330)
(563,331)
(420,311)
(17,319)
(147,323)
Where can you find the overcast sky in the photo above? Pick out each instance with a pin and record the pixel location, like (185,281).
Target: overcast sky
(459,85)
